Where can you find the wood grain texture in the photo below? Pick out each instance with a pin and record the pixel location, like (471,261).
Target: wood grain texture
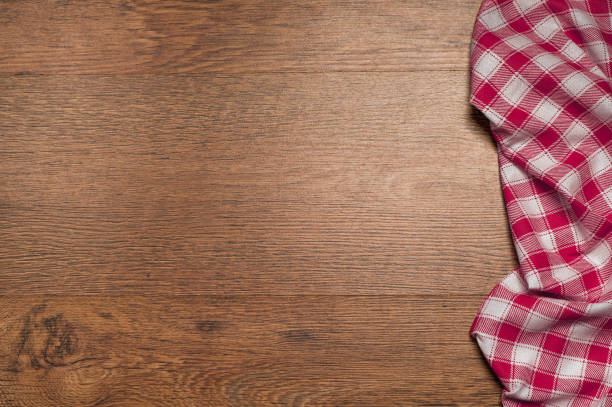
(243,203)
(248,184)
(240,351)
(230,36)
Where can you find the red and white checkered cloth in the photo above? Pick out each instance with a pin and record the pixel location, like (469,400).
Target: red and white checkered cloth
(541,72)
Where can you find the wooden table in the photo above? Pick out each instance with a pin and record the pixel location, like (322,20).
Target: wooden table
(244,203)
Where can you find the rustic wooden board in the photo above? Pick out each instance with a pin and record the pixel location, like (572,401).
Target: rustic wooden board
(240,351)
(275,204)
(248,184)
(147,36)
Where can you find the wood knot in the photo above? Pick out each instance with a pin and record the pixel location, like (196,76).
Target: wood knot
(61,342)
(45,342)
(298,335)
(208,326)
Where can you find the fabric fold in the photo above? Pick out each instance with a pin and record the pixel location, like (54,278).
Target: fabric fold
(541,74)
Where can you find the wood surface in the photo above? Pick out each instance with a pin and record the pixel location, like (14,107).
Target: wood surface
(239,351)
(231,36)
(244,203)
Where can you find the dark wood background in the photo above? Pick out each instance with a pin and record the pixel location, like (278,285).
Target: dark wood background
(244,203)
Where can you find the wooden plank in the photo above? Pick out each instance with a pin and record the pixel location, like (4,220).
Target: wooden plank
(231,36)
(298,183)
(241,351)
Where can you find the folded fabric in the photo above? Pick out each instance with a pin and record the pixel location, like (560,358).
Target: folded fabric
(541,74)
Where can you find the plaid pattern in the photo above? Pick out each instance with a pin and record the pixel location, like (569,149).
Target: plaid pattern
(541,73)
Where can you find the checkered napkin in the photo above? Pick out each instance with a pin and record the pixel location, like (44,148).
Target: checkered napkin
(541,72)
